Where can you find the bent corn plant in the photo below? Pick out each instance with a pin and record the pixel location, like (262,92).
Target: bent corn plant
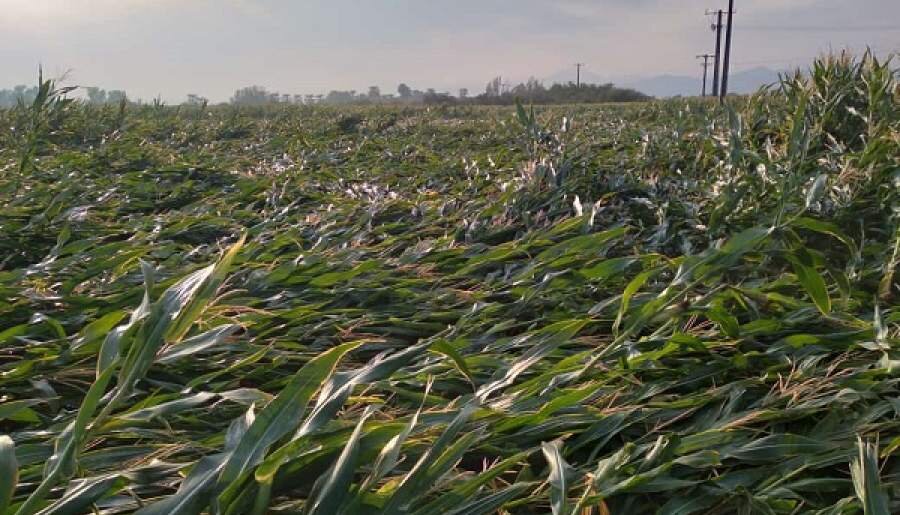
(668,307)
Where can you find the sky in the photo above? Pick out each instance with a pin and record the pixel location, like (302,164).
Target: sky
(169,48)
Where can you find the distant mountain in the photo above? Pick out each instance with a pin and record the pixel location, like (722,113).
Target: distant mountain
(745,81)
(748,81)
(668,85)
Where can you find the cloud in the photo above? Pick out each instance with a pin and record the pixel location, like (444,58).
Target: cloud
(71,10)
(48,16)
(212,47)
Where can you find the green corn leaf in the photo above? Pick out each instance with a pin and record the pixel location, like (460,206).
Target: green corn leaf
(540,343)
(282,415)
(608,268)
(461,493)
(866,480)
(9,471)
(20,411)
(169,319)
(165,409)
(331,491)
(83,493)
(446,348)
(197,344)
(197,302)
(67,445)
(333,278)
(194,492)
(490,503)
(633,287)
(560,476)
(432,463)
(338,387)
(390,453)
(777,447)
(811,280)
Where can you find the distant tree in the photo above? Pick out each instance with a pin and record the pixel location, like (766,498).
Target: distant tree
(10,97)
(494,88)
(96,95)
(433,97)
(404,91)
(374,93)
(298,99)
(196,100)
(251,95)
(340,97)
(463,93)
(100,96)
(533,91)
(114,96)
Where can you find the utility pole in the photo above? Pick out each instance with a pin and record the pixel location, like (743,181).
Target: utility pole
(726,66)
(706,58)
(717,26)
(578,67)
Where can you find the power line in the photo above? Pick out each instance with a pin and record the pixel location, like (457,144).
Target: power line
(706,58)
(795,60)
(822,28)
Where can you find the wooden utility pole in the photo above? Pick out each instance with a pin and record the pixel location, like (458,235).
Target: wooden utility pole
(578,74)
(706,58)
(726,65)
(717,26)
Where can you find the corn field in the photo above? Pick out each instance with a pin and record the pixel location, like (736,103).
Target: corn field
(669,307)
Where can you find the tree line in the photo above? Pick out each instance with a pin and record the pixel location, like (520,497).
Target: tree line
(259,95)
(533,91)
(495,93)
(26,94)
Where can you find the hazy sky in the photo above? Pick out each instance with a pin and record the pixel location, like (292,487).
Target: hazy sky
(211,47)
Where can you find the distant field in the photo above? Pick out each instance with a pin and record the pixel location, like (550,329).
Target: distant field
(667,307)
